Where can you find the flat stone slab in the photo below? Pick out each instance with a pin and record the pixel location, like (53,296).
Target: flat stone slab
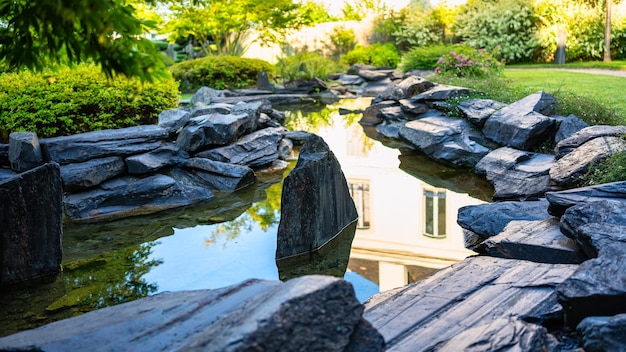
(312,313)
(585,135)
(474,292)
(538,241)
(562,200)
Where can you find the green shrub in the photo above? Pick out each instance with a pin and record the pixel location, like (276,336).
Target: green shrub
(469,63)
(305,66)
(376,54)
(340,41)
(79,99)
(410,27)
(426,57)
(161,45)
(219,72)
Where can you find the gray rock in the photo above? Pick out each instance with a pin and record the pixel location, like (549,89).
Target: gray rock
(569,168)
(562,200)
(608,211)
(31,211)
(213,130)
(24,151)
(500,160)
(150,162)
(374,75)
(206,96)
(214,108)
(314,85)
(99,144)
(518,129)
(374,88)
(404,89)
(539,241)
(390,129)
(603,334)
(91,173)
(256,149)
(355,68)
(372,116)
(504,334)
(488,220)
(475,292)
(568,126)
(585,135)
(285,147)
(477,111)
(215,175)
(412,107)
(173,120)
(252,109)
(129,196)
(316,204)
(298,137)
(355,80)
(441,92)
(312,313)
(444,138)
(263,82)
(393,113)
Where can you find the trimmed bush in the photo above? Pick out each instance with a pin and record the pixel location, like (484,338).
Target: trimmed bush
(219,72)
(79,99)
(376,54)
(426,57)
(469,63)
(305,66)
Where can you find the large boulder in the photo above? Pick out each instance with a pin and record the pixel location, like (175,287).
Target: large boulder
(24,151)
(91,173)
(408,87)
(316,204)
(568,126)
(607,211)
(254,150)
(477,111)
(206,95)
(122,142)
(562,200)
(585,135)
(372,114)
(213,130)
(174,119)
(31,211)
(603,334)
(312,313)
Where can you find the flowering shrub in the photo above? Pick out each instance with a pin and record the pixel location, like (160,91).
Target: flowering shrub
(469,63)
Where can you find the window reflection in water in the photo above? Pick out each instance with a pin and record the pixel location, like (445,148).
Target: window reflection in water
(435,213)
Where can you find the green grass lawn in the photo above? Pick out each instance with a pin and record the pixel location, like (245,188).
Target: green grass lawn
(605,89)
(613,65)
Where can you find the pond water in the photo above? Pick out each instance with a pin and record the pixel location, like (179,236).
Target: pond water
(406,230)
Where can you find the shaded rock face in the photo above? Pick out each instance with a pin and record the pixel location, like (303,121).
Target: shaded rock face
(603,334)
(312,313)
(478,111)
(31,209)
(91,173)
(316,204)
(24,151)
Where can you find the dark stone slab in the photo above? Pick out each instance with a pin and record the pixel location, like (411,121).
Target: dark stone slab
(474,292)
(129,196)
(404,89)
(215,175)
(212,130)
(174,119)
(569,168)
(152,161)
(31,211)
(504,334)
(253,150)
(24,151)
(441,92)
(312,313)
(477,111)
(206,96)
(562,200)
(393,113)
(487,220)
(4,155)
(374,75)
(214,108)
(608,211)
(355,68)
(518,130)
(263,82)
(298,137)
(91,173)
(603,334)
(372,116)
(351,80)
(374,88)
(99,144)
(585,135)
(539,241)
(316,204)
(412,107)
(568,126)
(500,160)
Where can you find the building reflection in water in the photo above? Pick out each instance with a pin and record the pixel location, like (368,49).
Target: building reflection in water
(407,228)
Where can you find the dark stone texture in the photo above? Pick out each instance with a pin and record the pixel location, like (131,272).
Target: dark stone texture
(568,126)
(349,79)
(4,155)
(475,292)
(206,96)
(500,160)
(263,82)
(312,313)
(31,210)
(372,116)
(216,175)
(411,107)
(215,108)
(316,204)
(441,92)
(99,144)
(539,241)
(314,85)
(91,173)
(298,137)
(514,128)
(562,200)
(487,220)
(477,111)
(355,68)
(24,151)
(585,135)
(404,89)
(213,130)
(603,334)
(150,162)
(254,150)
(374,88)
(374,75)
(608,211)
(174,119)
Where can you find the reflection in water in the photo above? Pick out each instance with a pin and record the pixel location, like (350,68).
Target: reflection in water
(406,230)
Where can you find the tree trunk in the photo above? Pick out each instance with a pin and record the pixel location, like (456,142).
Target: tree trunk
(607,33)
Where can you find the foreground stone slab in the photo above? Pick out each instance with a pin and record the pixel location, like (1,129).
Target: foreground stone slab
(91,173)
(312,313)
(538,241)
(585,135)
(31,211)
(477,111)
(475,292)
(563,200)
(603,334)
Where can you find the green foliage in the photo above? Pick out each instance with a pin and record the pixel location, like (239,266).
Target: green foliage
(376,54)
(305,66)
(340,41)
(219,72)
(469,63)
(81,99)
(509,24)
(425,57)
(40,34)
(410,27)
(611,169)
(359,9)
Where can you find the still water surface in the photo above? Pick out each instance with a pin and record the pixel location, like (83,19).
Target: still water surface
(407,229)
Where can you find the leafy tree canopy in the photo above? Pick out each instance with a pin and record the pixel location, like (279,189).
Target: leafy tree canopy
(44,33)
